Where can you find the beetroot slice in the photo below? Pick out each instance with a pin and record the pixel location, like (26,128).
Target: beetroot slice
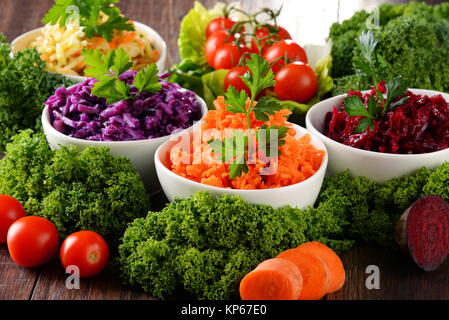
(423,231)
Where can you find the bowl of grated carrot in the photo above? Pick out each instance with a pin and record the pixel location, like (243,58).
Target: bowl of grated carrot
(187,164)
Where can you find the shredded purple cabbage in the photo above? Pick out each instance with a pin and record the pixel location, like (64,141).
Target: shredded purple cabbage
(79,114)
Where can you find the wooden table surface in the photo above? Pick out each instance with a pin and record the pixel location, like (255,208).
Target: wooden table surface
(399,277)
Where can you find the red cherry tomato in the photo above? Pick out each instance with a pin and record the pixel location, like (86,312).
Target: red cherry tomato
(32,241)
(263,34)
(296,81)
(87,250)
(214,42)
(228,56)
(233,78)
(220,23)
(10,211)
(284,49)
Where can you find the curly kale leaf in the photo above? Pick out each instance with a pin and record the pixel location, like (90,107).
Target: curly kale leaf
(91,190)
(206,245)
(24,87)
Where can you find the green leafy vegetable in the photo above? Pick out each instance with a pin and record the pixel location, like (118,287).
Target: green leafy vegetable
(91,190)
(107,71)
(412,42)
(206,245)
(24,87)
(89,14)
(377,105)
(192,35)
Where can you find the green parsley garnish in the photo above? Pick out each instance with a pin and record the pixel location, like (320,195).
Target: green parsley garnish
(88,12)
(377,105)
(107,69)
(373,65)
(269,139)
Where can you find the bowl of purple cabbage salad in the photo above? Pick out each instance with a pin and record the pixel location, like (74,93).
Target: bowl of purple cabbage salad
(133,127)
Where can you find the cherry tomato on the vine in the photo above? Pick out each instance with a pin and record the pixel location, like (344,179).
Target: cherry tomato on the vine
(285,49)
(10,211)
(214,42)
(87,250)
(296,81)
(32,241)
(228,56)
(233,78)
(264,38)
(220,23)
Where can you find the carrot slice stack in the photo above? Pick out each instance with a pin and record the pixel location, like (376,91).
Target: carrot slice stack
(337,271)
(315,273)
(273,279)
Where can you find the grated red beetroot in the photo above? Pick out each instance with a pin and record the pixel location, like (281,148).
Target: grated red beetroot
(420,125)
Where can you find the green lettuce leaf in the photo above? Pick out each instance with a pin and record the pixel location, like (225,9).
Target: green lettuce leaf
(192,34)
(213,86)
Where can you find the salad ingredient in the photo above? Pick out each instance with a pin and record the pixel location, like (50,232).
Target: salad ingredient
(331,259)
(206,245)
(315,273)
(220,23)
(214,42)
(408,124)
(412,41)
(273,279)
(234,78)
(78,113)
(192,34)
(266,36)
(10,211)
(92,190)
(32,241)
(107,71)
(422,231)
(299,159)
(227,56)
(194,73)
(74,25)
(284,52)
(24,87)
(89,15)
(259,77)
(296,81)
(87,250)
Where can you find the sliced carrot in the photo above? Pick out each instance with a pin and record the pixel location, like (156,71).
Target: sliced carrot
(44,57)
(314,271)
(273,279)
(337,271)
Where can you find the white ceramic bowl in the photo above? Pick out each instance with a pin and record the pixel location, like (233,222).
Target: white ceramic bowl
(140,152)
(376,166)
(24,41)
(299,195)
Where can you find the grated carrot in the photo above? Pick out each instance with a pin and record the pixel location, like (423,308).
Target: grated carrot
(298,161)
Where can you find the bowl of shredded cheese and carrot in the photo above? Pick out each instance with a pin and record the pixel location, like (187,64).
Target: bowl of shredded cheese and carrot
(187,164)
(61,47)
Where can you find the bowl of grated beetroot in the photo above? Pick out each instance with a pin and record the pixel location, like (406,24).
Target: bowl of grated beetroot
(412,134)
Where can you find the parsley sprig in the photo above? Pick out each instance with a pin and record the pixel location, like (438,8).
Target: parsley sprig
(377,105)
(372,65)
(107,70)
(269,139)
(88,12)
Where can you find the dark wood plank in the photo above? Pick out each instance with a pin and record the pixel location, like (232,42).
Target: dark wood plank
(400,278)
(51,285)
(16,283)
